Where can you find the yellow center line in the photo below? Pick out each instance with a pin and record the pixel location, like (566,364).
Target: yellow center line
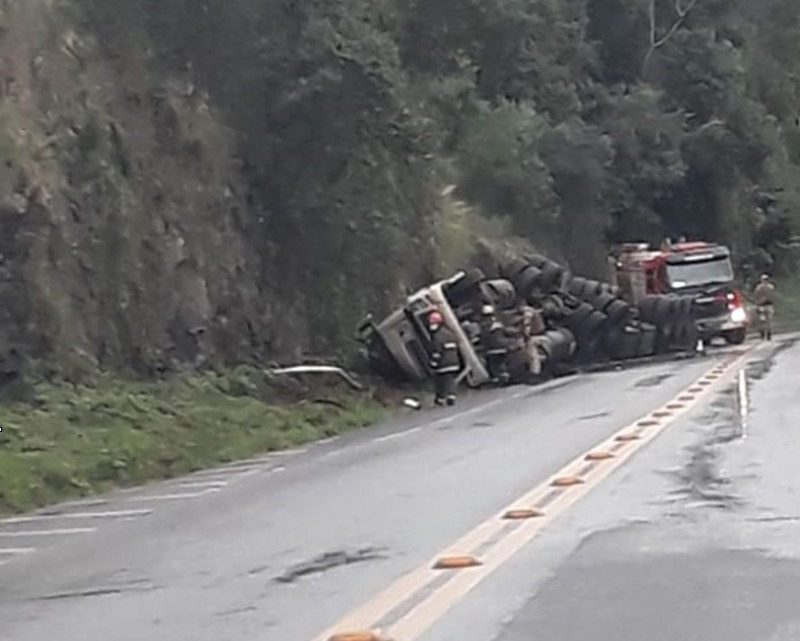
(424,614)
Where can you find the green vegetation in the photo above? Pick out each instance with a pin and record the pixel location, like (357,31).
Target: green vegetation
(194,185)
(787,308)
(75,440)
(269,171)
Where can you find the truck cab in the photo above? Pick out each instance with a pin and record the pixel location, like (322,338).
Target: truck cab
(697,269)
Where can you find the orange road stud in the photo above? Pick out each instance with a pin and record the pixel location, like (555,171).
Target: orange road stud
(625,438)
(600,455)
(567,481)
(456,563)
(362,635)
(521,514)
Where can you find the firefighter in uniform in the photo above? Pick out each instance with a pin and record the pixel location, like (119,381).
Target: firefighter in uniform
(444,359)
(495,343)
(765,300)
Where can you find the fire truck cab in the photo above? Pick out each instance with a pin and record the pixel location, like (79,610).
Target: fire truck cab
(698,269)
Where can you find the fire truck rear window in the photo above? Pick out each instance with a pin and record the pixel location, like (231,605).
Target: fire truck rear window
(700,273)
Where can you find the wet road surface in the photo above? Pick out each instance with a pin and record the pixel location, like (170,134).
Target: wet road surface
(694,537)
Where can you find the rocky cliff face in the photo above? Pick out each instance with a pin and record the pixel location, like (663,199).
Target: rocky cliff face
(135,228)
(124,239)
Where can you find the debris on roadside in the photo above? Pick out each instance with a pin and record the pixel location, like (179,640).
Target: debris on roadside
(319,369)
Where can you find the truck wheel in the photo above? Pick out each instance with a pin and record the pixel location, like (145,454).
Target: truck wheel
(591,330)
(551,278)
(603,300)
(735,336)
(647,343)
(647,308)
(630,345)
(537,260)
(466,286)
(576,286)
(511,268)
(578,317)
(526,280)
(618,311)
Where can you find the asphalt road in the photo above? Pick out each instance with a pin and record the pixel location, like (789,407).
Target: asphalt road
(690,533)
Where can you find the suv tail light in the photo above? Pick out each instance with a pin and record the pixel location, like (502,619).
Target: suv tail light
(735,300)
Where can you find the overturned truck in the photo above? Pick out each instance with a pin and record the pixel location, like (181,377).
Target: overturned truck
(532,321)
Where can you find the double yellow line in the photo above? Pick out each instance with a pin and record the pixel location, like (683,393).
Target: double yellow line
(413,603)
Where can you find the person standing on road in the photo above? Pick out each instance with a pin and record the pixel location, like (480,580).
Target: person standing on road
(765,301)
(444,359)
(495,344)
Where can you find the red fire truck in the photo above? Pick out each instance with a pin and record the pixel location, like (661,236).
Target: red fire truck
(698,269)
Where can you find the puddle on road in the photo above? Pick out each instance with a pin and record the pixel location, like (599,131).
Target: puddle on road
(653,381)
(756,370)
(702,481)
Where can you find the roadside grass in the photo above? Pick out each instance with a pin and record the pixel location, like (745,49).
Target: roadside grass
(72,441)
(787,307)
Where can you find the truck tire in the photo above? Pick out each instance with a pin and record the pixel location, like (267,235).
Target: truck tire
(593,326)
(603,300)
(619,312)
(537,260)
(647,308)
(551,278)
(553,307)
(591,289)
(511,268)
(735,336)
(526,281)
(576,286)
(560,345)
(624,345)
(578,316)
(499,292)
(466,286)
